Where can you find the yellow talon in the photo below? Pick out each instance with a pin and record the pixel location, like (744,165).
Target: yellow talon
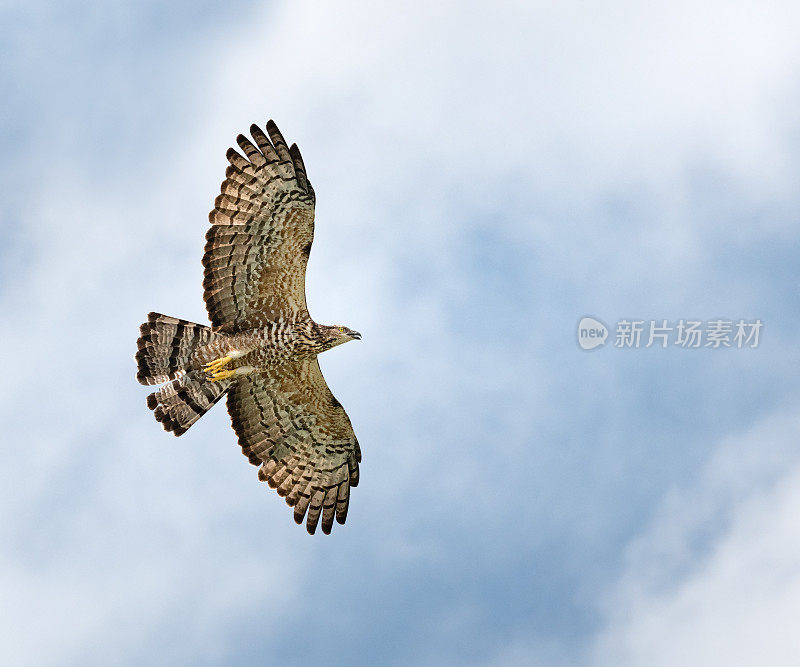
(218,375)
(213,369)
(217,364)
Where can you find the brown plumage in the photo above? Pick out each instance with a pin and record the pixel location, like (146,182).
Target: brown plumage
(262,347)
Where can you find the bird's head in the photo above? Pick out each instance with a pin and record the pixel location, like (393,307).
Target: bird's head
(337,334)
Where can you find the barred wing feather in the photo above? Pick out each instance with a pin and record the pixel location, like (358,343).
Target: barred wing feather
(290,424)
(261,231)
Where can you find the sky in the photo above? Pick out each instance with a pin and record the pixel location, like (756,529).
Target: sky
(486,176)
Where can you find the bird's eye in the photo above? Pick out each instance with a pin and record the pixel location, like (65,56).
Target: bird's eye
(341,329)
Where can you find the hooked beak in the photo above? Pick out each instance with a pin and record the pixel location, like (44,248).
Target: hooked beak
(355,335)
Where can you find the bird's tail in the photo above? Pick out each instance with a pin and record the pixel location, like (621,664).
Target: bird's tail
(166,346)
(181,402)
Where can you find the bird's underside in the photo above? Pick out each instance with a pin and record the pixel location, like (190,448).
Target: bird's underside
(261,350)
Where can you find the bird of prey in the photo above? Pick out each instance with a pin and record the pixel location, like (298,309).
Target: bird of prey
(261,348)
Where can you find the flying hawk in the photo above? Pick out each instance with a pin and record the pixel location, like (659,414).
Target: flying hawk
(261,348)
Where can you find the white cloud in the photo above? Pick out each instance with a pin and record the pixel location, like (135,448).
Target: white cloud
(715,579)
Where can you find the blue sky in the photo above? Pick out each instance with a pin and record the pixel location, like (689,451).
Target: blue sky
(485,178)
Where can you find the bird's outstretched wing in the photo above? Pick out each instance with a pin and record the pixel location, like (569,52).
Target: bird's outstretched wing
(261,231)
(290,424)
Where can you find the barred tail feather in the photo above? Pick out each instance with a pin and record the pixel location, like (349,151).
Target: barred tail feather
(181,402)
(165,347)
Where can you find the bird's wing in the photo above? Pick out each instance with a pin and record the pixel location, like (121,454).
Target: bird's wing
(290,424)
(261,231)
